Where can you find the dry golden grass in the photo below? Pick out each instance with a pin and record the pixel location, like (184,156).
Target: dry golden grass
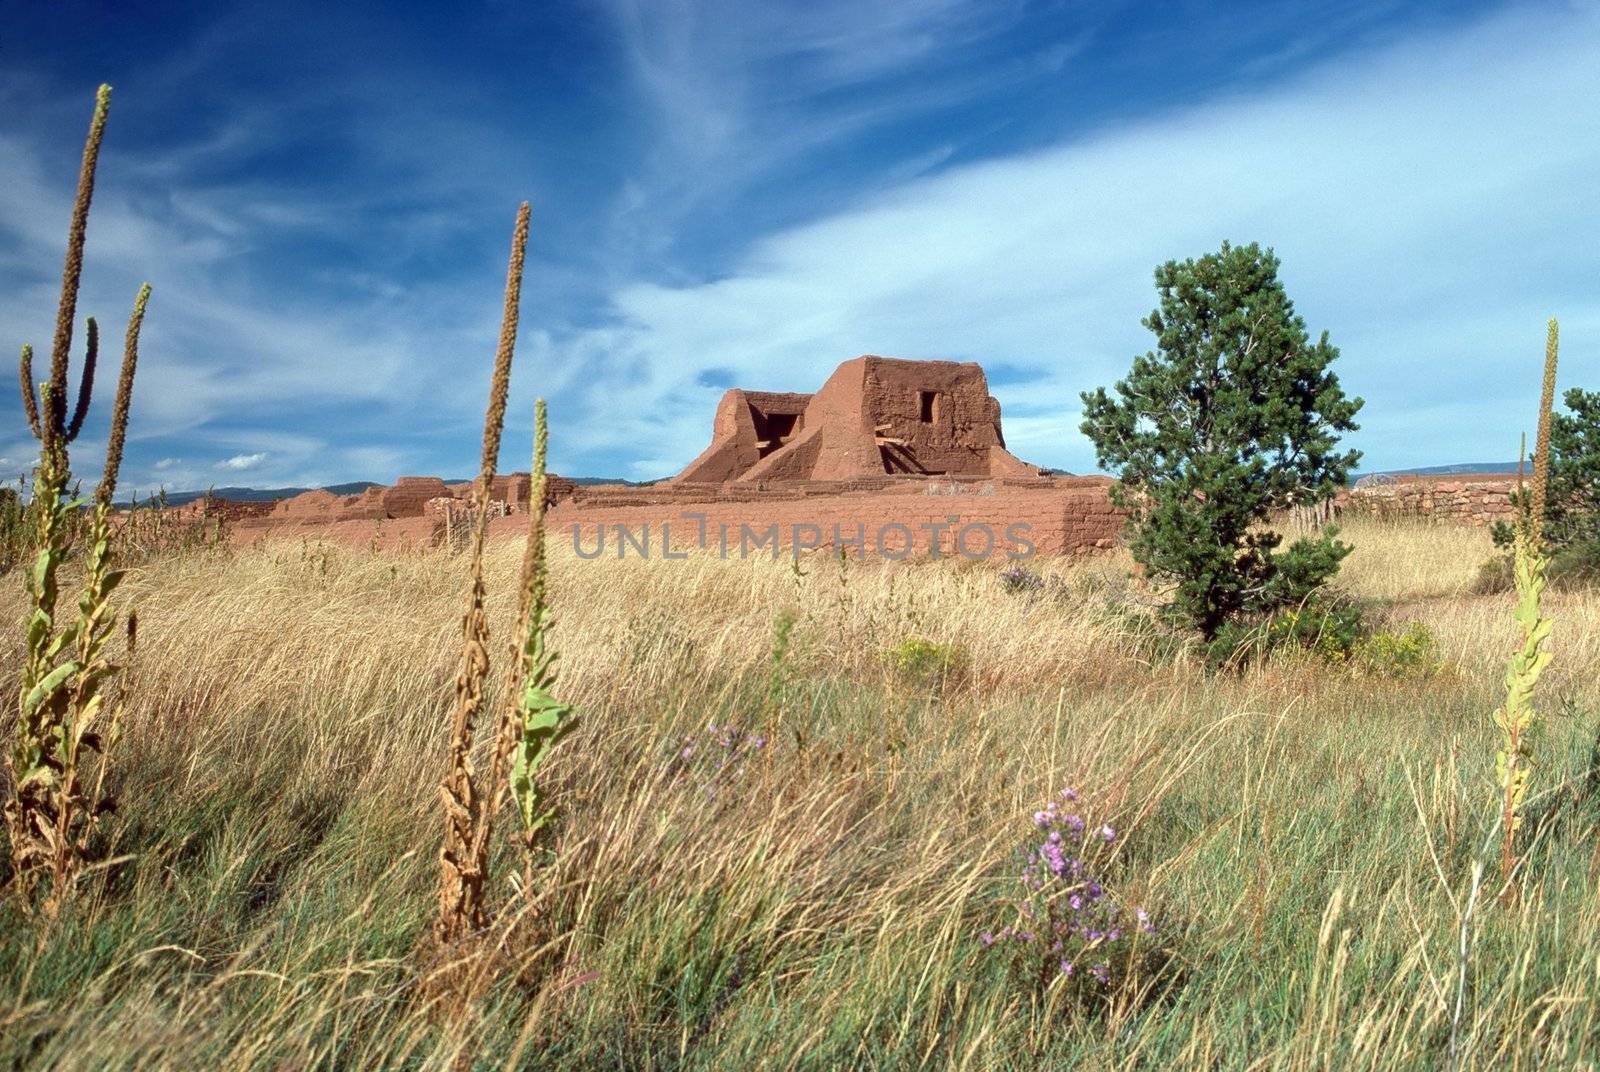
(1303,834)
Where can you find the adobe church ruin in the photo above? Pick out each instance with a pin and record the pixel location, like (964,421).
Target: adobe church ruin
(885,443)
(874,416)
(910,446)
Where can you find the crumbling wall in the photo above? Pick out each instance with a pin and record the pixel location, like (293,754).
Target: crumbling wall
(1476,501)
(747,427)
(410,497)
(873,416)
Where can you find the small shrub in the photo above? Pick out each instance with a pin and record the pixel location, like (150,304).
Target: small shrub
(1335,631)
(1410,652)
(1327,627)
(924,664)
(1494,577)
(1067,930)
(16,529)
(1577,565)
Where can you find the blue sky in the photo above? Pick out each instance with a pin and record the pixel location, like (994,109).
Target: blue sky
(738,193)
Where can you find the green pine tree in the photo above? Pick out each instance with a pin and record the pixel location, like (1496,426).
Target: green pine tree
(1235,415)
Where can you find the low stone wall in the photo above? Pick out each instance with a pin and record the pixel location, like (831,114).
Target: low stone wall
(1469,501)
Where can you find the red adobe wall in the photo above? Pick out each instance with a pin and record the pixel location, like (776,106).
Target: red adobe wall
(874,416)
(1053,516)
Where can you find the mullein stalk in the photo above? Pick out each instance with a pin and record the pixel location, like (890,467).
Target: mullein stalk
(72,270)
(96,622)
(66,669)
(1517,717)
(463,858)
(534,720)
(32,814)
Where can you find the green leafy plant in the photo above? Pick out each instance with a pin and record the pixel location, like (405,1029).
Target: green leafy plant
(1516,718)
(925,664)
(67,670)
(1323,625)
(1332,629)
(778,668)
(536,719)
(1237,416)
(1411,651)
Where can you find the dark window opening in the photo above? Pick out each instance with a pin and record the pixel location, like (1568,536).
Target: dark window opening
(773,430)
(930,406)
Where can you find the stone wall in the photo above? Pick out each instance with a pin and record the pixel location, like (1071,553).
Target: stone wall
(1475,501)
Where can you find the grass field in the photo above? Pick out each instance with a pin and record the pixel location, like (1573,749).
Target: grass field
(1303,835)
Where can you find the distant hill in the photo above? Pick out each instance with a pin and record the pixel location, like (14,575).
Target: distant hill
(183,498)
(1448,470)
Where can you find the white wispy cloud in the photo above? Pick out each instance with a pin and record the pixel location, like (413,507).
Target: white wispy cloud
(742,93)
(241,462)
(1432,203)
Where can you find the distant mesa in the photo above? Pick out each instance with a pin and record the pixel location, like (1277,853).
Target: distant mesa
(874,416)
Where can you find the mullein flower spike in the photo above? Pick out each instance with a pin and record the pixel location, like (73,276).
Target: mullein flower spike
(1516,718)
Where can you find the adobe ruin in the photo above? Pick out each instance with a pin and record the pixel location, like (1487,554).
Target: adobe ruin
(874,416)
(885,444)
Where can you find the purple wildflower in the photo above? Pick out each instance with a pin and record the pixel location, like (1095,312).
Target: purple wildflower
(1064,911)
